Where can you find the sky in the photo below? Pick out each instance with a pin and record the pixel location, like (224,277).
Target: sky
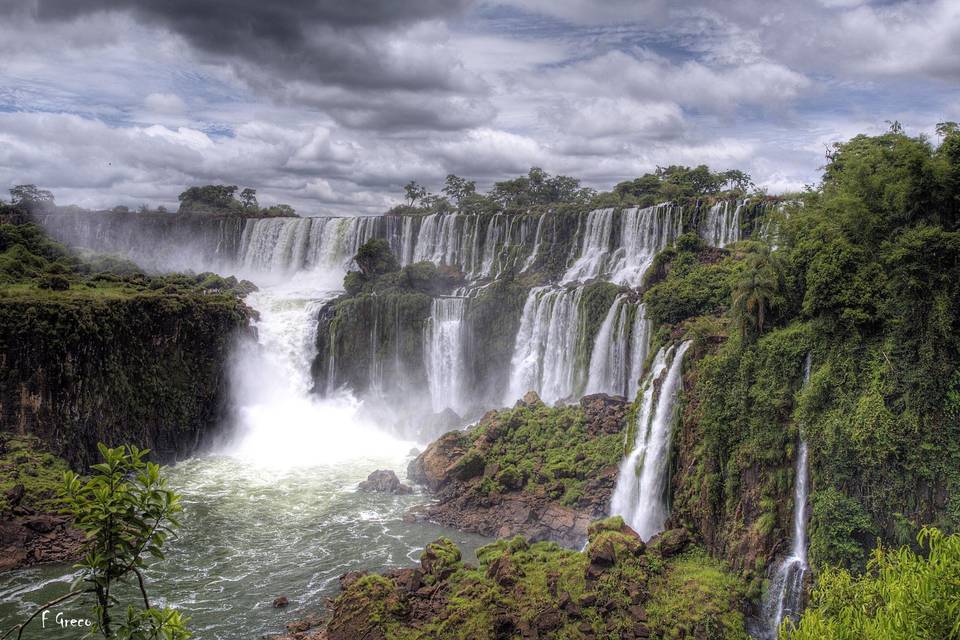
(332,106)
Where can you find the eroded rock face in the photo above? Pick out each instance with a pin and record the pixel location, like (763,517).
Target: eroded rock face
(480,490)
(38,538)
(432,467)
(384,481)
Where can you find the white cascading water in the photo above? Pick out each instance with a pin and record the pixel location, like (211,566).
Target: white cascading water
(444,349)
(722,226)
(594,247)
(639,349)
(642,233)
(619,350)
(785,596)
(545,350)
(609,359)
(640,493)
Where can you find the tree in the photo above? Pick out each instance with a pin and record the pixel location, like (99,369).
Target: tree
(374,258)
(212,197)
(458,188)
(902,595)
(945,129)
(31,198)
(756,291)
(248,198)
(414,192)
(127,512)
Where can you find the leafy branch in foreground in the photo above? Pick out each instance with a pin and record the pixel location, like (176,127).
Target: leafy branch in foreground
(127,512)
(902,595)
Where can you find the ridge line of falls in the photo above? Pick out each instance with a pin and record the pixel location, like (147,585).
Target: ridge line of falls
(722,225)
(444,353)
(622,252)
(785,596)
(619,350)
(640,494)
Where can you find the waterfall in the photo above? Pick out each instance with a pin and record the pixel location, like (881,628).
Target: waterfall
(639,348)
(640,495)
(619,350)
(444,348)
(544,354)
(722,225)
(785,596)
(625,256)
(594,248)
(643,233)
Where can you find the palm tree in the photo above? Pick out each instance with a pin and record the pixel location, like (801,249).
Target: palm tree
(755,294)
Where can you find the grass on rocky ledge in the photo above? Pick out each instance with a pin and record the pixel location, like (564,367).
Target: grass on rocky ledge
(544,448)
(24,462)
(556,592)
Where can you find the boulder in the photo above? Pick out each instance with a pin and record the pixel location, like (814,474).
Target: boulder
(281,602)
(431,467)
(384,481)
(669,543)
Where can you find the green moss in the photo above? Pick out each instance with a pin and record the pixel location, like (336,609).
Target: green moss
(545,449)
(696,597)
(517,582)
(24,462)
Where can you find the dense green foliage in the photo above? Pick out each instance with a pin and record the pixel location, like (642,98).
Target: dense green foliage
(220,199)
(866,280)
(32,264)
(689,279)
(901,595)
(127,513)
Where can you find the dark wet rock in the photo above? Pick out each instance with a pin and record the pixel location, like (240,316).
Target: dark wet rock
(431,468)
(281,602)
(604,413)
(37,539)
(384,481)
(670,542)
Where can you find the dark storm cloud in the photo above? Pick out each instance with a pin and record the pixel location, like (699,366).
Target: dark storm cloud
(349,44)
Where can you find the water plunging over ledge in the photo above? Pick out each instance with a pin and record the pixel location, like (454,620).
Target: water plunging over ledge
(784,598)
(640,493)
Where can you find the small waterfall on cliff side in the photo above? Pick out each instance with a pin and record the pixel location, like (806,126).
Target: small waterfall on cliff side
(545,354)
(722,225)
(444,347)
(640,495)
(619,350)
(785,595)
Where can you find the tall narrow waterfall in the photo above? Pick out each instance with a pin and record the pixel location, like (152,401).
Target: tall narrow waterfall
(785,597)
(544,357)
(619,350)
(594,248)
(640,495)
(722,225)
(444,346)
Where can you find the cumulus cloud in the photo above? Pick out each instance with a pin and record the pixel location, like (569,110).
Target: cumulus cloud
(332,106)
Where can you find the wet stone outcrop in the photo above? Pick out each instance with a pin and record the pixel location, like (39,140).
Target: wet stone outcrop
(614,589)
(533,470)
(383,481)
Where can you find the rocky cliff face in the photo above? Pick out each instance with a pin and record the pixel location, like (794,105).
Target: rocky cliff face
(145,369)
(536,471)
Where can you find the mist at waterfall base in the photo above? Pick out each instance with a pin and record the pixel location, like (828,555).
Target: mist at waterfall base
(273,510)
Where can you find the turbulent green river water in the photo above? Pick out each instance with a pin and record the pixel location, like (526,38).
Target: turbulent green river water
(274,511)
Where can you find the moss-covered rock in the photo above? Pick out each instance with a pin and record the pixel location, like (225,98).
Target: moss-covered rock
(542,590)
